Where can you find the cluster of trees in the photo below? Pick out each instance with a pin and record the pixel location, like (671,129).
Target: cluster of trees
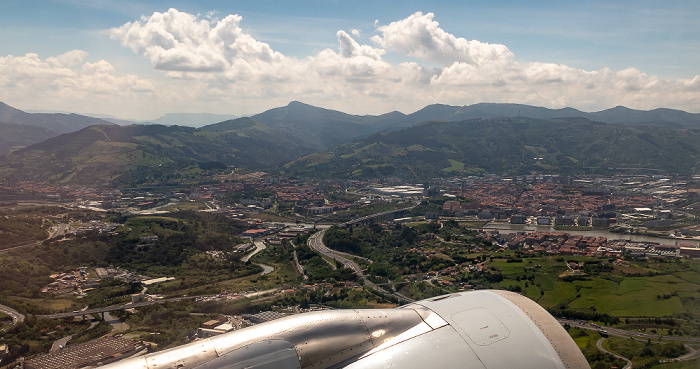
(387,247)
(19,229)
(563,312)
(168,324)
(595,267)
(318,269)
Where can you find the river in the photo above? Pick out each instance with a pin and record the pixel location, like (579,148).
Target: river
(511,228)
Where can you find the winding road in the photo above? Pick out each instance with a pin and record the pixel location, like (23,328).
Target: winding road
(259,246)
(316,243)
(14,314)
(691,355)
(599,344)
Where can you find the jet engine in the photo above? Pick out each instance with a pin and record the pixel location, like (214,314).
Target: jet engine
(486,329)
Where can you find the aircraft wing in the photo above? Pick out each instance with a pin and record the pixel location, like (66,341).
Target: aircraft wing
(484,329)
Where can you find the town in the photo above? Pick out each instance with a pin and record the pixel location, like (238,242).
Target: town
(441,236)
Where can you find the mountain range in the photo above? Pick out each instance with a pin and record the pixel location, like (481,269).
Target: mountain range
(108,155)
(18,125)
(300,139)
(508,146)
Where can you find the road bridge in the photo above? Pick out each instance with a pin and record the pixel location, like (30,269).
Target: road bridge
(107,309)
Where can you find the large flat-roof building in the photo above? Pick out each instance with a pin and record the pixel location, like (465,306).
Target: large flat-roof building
(89,354)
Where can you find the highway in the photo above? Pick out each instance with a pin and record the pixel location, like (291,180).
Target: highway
(693,353)
(14,314)
(624,333)
(114,308)
(141,304)
(377,215)
(316,243)
(20,246)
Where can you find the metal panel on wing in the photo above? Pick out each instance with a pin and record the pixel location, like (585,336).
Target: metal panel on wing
(481,326)
(271,354)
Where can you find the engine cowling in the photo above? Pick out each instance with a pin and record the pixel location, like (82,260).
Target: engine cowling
(486,329)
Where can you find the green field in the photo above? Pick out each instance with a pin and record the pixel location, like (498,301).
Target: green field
(670,291)
(645,353)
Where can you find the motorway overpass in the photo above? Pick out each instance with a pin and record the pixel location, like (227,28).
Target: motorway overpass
(107,309)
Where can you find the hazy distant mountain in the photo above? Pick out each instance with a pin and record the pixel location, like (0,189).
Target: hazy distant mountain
(621,115)
(56,122)
(656,117)
(192,119)
(121,155)
(20,129)
(17,136)
(508,145)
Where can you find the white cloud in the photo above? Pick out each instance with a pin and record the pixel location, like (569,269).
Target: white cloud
(67,82)
(232,65)
(177,41)
(207,63)
(350,48)
(420,36)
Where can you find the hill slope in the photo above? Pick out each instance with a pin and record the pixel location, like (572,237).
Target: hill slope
(20,129)
(116,155)
(56,122)
(17,136)
(618,115)
(504,145)
(323,129)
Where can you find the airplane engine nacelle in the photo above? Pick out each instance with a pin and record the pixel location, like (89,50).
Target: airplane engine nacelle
(485,329)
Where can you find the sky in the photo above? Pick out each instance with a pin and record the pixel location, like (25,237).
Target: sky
(141,59)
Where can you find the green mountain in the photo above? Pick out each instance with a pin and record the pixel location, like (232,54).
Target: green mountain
(393,144)
(323,129)
(120,155)
(511,146)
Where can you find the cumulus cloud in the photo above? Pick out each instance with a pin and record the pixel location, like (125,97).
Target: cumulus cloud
(177,41)
(208,63)
(421,36)
(226,61)
(67,81)
(350,48)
